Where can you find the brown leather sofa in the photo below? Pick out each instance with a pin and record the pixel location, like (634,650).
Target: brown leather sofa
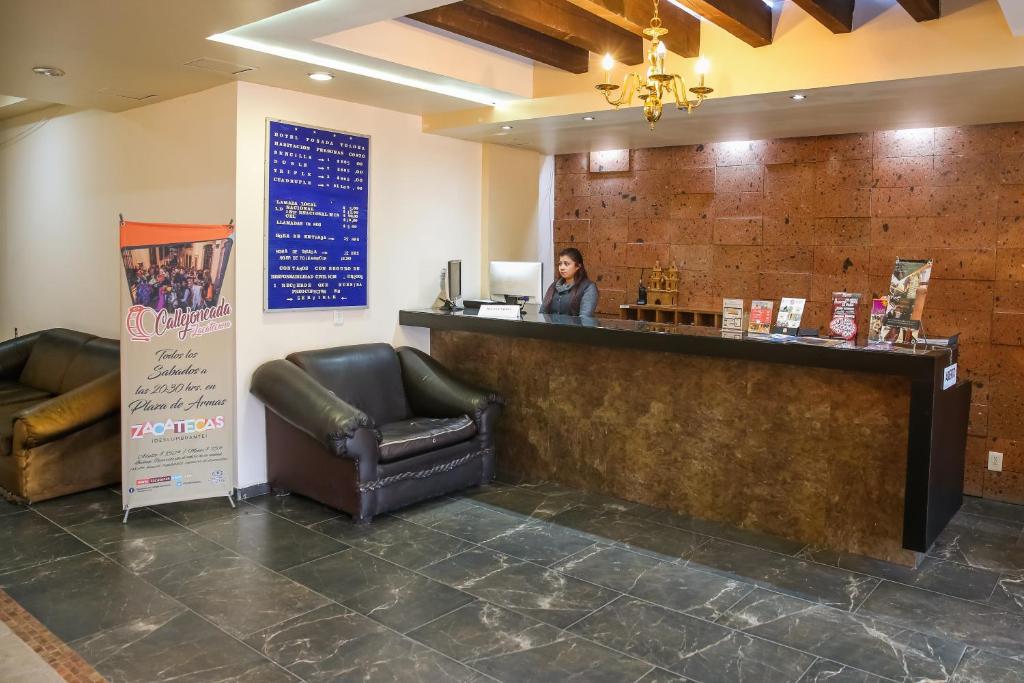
(367,429)
(60,400)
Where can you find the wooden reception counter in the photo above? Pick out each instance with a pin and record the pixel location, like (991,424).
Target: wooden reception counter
(848,448)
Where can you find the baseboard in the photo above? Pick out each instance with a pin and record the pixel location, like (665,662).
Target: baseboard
(252,491)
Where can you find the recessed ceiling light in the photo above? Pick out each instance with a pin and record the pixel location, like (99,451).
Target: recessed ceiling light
(588,118)
(798,97)
(321,76)
(48,71)
(506,127)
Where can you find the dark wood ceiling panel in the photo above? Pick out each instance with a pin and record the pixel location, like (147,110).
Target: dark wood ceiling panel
(562,20)
(471,22)
(836,15)
(748,20)
(635,15)
(923,10)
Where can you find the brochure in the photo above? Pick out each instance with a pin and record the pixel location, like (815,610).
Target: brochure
(877,315)
(732,318)
(908,288)
(844,316)
(760,317)
(790,313)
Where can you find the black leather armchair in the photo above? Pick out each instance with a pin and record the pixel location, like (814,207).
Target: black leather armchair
(367,429)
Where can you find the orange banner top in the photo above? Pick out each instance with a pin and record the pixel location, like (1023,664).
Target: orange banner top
(147,234)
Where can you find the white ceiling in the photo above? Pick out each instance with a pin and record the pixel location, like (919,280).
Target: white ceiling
(1014,12)
(953,99)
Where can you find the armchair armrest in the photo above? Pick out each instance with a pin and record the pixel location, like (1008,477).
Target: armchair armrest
(433,391)
(309,406)
(69,412)
(14,354)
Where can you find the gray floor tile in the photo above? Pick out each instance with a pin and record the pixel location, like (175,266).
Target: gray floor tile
(523,501)
(659,675)
(147,541)
(690,647)
(829,585)
(267,539)
(1009,593)
(951,578)
(478,525)
(572,659)
(723,531)
(192,512)
(634,533)
(392,595)
(430,511)
(81,507)
(481,629)
(529,589)
(296,508)
(983,542)
(236,594)
(993,508)
(8,508)
(28,539)
(540,542)
(984,667)
(936,614)
(609,566)
(396,540)
(336,644)
(82,595)
(189,649)
(691,591)
(103,644)
(857,641)
(824,671)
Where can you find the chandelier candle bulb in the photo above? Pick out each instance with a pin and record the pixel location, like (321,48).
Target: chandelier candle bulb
(703,66)
(607,63)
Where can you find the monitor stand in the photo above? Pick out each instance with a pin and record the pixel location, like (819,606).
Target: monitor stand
(450,306)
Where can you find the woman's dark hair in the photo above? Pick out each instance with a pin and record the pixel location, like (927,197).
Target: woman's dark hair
(580,282)
(577,258)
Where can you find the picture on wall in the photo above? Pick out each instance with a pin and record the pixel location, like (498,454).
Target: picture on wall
(317,208)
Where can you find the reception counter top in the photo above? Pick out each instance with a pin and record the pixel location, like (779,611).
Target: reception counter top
(855,449)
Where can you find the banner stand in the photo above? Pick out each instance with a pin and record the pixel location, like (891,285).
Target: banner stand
(177,363)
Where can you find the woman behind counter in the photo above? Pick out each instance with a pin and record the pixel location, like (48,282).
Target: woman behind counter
(572,293)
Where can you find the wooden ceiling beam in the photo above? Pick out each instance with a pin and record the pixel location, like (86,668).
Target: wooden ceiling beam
(635,15)
(836,15)
(563,20)
(748,20)
(470,22)
(923,10)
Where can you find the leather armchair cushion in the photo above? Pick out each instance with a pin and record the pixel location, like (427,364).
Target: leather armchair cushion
(367,376)
(50,358)
(421,434)
(12,392)
(96,358)
(7,413)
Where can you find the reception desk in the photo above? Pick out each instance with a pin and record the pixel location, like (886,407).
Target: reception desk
(848,448)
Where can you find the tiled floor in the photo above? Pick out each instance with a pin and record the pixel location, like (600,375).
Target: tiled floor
(532,583)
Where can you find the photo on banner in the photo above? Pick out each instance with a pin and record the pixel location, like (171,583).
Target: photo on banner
(177,362)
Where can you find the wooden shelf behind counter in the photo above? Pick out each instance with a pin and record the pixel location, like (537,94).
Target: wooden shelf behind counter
(673,315)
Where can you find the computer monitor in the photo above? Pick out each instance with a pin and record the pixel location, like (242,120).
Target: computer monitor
(517,279)
(454,280)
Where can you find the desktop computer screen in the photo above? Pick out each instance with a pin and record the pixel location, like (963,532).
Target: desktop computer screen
(517,279)
(454,284)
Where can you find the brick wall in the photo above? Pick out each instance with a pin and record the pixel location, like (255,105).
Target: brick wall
(804,217)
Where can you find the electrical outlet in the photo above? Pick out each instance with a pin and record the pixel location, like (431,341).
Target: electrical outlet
(995,461)
(339,318)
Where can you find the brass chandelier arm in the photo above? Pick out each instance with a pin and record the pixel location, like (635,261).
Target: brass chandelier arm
(628,88)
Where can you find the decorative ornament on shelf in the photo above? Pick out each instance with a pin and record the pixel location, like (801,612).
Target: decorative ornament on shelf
(656,86)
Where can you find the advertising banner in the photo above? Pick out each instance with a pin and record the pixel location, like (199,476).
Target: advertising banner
(177,362)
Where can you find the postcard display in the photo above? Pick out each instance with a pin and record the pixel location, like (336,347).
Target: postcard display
(316,218)
(908,288)
(177,363)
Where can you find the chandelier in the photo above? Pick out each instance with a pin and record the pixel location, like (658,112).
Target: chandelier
(657,86)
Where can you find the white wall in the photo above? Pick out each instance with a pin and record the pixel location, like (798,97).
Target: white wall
(425,208)
(66,174)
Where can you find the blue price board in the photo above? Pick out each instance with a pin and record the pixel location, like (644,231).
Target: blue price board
(317,203)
